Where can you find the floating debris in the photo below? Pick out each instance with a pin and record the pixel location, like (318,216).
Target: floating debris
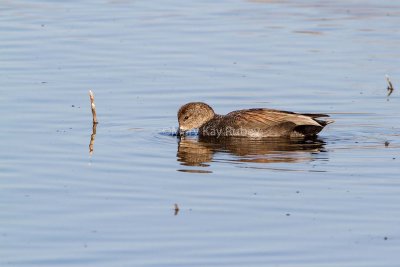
(390,87)
(176,209)
(387,143)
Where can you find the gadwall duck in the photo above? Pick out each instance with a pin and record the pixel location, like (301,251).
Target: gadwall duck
(256,122)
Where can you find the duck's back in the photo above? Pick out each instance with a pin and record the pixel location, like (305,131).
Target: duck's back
(264,123)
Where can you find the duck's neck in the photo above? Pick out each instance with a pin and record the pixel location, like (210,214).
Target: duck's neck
(217,117)
(213,121)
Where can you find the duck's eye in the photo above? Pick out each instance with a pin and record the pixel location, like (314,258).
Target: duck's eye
(186,117)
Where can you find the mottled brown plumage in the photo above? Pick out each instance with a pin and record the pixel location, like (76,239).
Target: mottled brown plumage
(258,122)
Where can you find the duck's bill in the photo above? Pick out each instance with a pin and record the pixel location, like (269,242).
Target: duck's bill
(180,132)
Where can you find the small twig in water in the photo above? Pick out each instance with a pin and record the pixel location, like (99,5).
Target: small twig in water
(390,87)
(93,106)
(95,122)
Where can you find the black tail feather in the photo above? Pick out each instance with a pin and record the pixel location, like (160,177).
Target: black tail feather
(308,130)
(315,115)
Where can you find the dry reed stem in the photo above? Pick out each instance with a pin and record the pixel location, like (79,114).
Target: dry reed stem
(93,106)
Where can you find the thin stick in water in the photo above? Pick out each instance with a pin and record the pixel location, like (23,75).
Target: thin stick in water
(390,87)
(93,106)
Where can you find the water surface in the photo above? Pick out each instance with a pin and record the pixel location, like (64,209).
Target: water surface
(332,201)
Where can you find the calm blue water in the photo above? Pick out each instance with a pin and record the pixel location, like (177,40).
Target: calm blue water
(332,202)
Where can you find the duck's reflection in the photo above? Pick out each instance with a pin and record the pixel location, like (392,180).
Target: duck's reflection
(201,151)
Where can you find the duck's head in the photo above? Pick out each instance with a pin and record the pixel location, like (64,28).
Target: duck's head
(193,115)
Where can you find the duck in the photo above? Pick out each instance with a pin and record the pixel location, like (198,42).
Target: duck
(254,122)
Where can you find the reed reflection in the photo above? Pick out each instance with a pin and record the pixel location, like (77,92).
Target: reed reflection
(92,138)
(200,152)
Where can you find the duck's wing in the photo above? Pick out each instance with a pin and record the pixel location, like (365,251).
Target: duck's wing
(270,117)
(277,121)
